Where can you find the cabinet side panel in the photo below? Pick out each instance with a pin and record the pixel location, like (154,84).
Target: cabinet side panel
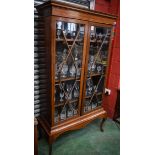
(47,21)
(40,67)
(43,65)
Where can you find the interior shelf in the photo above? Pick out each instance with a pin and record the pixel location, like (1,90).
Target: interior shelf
(100,93)
(62,103)
(95,74)
(61,39)
(98,41)
(67,79)
(102,63)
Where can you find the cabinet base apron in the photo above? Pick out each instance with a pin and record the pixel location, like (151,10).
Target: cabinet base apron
(73,124)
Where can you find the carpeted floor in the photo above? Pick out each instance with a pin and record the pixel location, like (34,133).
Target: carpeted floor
(86,141)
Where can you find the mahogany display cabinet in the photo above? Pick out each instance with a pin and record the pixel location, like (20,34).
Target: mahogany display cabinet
(77,44)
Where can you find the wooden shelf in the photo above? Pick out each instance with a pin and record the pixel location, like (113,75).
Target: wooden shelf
(94,40)
(98,41)
(67,79)
(61,39)
(62,103)
(102,63)
(91,95)
(95,74)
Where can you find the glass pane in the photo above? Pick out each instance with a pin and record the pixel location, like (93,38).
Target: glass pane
(97,63)
(69,51)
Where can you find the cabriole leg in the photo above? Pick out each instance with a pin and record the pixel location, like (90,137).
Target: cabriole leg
(101,124)
(50,146)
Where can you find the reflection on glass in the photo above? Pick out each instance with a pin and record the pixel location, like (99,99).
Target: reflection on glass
(65,66)
(92,33)
(94,105)
(75,110)
(56,116)
(59,27)
(61,91)
(70,111)
(56,71)
(63,114)
(87,106)
(72,70)
(76,53)
(68,65)
(97,62)
(91,64)
(95,89)
(76,91)
(73,29)
(89,87)
(69,53)
(61,96)
(58,33)
(68,89)
(99,68)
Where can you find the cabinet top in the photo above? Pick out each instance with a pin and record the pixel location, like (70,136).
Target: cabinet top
(50,6)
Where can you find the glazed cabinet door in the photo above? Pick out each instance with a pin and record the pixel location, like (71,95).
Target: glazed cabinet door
(68,60)
(96,66)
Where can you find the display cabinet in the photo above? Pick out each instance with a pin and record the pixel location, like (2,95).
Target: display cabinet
(78,44)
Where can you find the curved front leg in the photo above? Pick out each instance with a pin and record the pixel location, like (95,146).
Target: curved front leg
(50,145)
(101,124)
(50,149)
